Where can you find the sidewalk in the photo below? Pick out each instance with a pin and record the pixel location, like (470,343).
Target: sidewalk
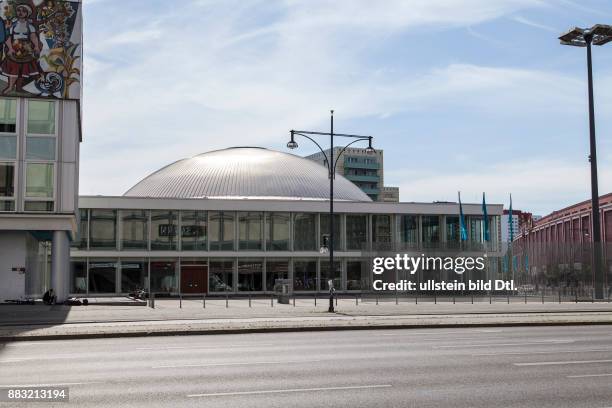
(23,322)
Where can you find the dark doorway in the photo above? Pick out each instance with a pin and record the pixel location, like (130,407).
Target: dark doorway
(194,277)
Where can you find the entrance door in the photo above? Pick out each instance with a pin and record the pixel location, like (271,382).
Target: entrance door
(194,278)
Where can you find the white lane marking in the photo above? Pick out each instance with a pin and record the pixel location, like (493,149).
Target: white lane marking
(48,385)
(589,375)
(355,387)
(237,364)
(518,353)
(204,347)
(545,342)
(561,362)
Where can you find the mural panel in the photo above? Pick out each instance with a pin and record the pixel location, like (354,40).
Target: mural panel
(41,48)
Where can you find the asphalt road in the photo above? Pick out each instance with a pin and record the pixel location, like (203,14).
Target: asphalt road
(489,367)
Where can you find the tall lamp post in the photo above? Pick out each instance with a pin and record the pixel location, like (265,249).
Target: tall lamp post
(331,169)
(599,34)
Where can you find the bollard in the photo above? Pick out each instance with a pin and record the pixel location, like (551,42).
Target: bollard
(490,297)
(435,298)
(472,298)
(559,295)
(315,297)
(226,301)
(204,301)
(249,300)
(542,296)
(180,300)
(453,298)
(336,296)
(293,300)
(416,299)
(356,300)
(377,299)
(152,301)
(576,295)
(508,296)
(396,300)
(272,301)
(525,297)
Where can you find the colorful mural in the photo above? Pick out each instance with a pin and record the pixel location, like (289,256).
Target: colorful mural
(41,48)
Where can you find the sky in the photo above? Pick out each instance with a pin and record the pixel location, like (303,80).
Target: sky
(461,95)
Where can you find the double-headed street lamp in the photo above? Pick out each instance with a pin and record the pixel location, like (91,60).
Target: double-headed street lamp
(331,163)
(599,34)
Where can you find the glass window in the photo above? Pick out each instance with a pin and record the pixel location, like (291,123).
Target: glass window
(193,230)
(277,231)
(8,147)
(431,229)
(135,225)
(8,115)
(103,229)
(6,205)
(41,117)
(336,276)
(325,230)
(305,275)
(81,239)
(102,276)
(134,275)
(40,148)
(7,180)
(78,276)
(38,206)
(408,230)
(221,231)
(356,275)
(250,275)
(221,274)
(39,180)
(477,229)
(276,270)
(163,230)
(164,276)
(381,228)
(453,231)
(249,230)
(356,232)
(304,232)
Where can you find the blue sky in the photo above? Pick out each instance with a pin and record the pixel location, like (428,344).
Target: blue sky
(471,95)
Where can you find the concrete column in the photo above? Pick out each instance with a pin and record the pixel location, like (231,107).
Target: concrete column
(60,264)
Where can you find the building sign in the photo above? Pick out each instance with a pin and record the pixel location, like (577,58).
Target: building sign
(41,48)
(187,231)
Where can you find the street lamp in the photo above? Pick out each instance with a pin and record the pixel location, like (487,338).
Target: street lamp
(331,172)
(599,34)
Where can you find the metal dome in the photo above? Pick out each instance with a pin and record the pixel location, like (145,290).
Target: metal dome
(245,172)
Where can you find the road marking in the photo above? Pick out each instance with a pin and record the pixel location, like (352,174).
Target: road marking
(237,364)
(589,375)
(515,353)
(507,344)
(225,394)
(48,385)
(562,362)
(204,347)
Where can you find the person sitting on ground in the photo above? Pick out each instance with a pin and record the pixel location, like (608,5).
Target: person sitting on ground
(49,297)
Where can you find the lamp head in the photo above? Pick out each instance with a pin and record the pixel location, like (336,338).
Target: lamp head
(292,144)
(370,149)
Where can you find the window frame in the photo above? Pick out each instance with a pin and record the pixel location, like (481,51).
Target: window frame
(12,161)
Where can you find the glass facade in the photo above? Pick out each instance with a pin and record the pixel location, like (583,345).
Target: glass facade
(409,230)
(453,231)
(275,270)
(193,230)
(164,230)
(81,239)
(41,117)
(335,275)
(325,230)
(134,275)
(357,273)
(39,180)
(250,275)
(221,232)
(356,232)
(305,232)
(250,231)
(102,276)
(103,229)
(305,275)
(164,276)
(431,230)
(78,276)
(277,231)
(221,274)
(8,115)
(135,229)
(381,229)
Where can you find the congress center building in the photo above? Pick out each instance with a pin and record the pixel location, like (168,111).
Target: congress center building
(239,219)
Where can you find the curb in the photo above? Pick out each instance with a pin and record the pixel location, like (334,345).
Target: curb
(199,332)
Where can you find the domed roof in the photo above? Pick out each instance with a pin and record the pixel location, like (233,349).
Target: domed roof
(245,172)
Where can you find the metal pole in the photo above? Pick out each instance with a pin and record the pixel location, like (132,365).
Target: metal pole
(226,301)
(204,301)
(331,168)
(596,233)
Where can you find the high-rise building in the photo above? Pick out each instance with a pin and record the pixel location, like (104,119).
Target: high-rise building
(364,169)
(40,132)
